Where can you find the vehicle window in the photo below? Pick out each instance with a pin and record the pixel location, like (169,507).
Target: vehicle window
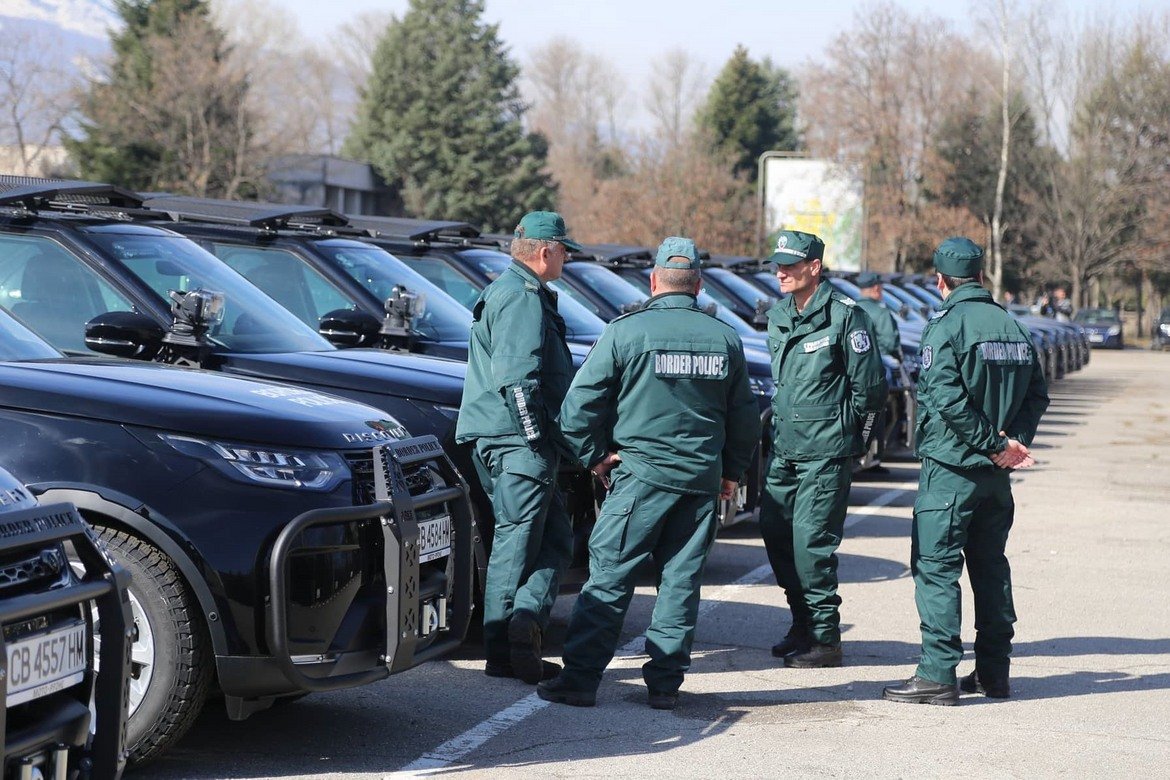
(445,278)
(287,279)
(743,289)
(1097,316)
(52,291)
(612,288)
(640,278)
(380,272)
(252,323)
(769,281)
(19,343)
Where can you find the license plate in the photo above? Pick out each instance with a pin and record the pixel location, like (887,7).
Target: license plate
(434,538)
(46,663)
(1096,337)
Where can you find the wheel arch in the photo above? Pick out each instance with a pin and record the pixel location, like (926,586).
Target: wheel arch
(146,524)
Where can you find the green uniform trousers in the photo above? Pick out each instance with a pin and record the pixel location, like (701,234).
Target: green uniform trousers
(533,539)
(962,512)
(802,520)
(639,521)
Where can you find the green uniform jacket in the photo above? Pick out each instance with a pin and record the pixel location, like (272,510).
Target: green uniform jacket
(885,327)
(518,365)
(666,386)
(980,375)
(830,382)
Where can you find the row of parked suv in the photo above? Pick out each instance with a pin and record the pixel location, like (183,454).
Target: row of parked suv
(271,456)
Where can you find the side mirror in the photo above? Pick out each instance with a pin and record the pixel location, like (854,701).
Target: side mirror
(124,334)
(349,328)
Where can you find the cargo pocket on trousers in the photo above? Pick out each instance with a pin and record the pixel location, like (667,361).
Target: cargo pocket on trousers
(527,464)
(608,540)
(935,517)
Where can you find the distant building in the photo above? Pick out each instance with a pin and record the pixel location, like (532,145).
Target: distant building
(51,161)
(343,185)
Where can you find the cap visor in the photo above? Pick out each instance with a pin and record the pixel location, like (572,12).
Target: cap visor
(570,244)
(781,258)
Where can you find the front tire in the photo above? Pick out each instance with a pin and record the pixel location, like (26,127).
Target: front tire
(171,661)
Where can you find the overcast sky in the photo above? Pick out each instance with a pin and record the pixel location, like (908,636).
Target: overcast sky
(632,33)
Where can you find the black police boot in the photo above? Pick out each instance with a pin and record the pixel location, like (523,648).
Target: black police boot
(797,640)
(991,687)
(815,657)
(919,691)
(504,669)
(559,692)
(663,701)
(524,647)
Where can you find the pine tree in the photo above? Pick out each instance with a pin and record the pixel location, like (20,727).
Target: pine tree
(441,119)
(750,109)
(170,114)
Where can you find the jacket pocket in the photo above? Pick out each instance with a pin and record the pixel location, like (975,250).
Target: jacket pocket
(527,463)
(936,526)
(608,540)
(815,428)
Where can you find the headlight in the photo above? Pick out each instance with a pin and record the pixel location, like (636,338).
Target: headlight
(762,385)
(1114,330)
(1165,328)
(316,471)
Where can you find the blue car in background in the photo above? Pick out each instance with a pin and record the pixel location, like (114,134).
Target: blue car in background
(1103,327)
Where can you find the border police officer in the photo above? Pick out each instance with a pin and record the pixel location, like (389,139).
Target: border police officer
(830,386)
(980,396)
(518,370)
(885,327)
(662,407)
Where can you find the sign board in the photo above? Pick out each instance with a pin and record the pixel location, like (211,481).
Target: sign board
(817,196)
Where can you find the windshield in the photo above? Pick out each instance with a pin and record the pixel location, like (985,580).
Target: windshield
(740,287)
(894,304)
(252,322)
(613,289)
(375,269)
(581,323)
(1097,316)
(641,278)
(920,294)
(906,298)
(19,343)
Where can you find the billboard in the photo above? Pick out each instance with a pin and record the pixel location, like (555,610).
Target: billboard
(821,197)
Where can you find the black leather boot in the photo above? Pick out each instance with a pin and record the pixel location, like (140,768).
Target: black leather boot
(992,688)
(796,640)
(919,691)
(815,657)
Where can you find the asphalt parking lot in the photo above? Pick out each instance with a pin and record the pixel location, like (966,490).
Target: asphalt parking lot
(1091,675)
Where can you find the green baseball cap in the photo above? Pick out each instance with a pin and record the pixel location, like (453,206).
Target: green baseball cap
(794,246)
(868,279)
(546,226)
(959,257)
(678,252)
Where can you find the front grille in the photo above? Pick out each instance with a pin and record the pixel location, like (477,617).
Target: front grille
(46,566)
(419,480)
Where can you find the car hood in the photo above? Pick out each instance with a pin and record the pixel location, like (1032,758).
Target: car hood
(416,377)
(198,403)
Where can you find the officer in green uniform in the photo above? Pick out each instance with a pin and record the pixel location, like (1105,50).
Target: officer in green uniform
(662,410)
(830,387)
(885,327)
(518,370)
(980,397)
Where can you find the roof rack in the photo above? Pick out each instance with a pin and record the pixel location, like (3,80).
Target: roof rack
(414,229)
(271,216)
(615,254)
(36,194)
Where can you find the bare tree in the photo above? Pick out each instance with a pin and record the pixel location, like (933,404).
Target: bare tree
(878,99)
(36,99)
(678,82)
(352,47)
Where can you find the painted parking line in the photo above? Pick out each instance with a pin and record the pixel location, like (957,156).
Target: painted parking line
(455,749)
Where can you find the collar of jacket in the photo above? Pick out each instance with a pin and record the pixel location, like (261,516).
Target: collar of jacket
(785,310)
(529,276)
(671,300)
(967,292)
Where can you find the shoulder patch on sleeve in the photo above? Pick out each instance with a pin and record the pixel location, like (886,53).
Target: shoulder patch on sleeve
(939,313)
(860,342)
(927,356)
(845,299)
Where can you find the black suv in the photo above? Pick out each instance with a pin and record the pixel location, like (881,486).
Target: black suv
(357,295)
(65,614)
(251,515)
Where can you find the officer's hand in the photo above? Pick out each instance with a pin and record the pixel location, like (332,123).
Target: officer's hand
(602,468)
(1014,456)
(727,489)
